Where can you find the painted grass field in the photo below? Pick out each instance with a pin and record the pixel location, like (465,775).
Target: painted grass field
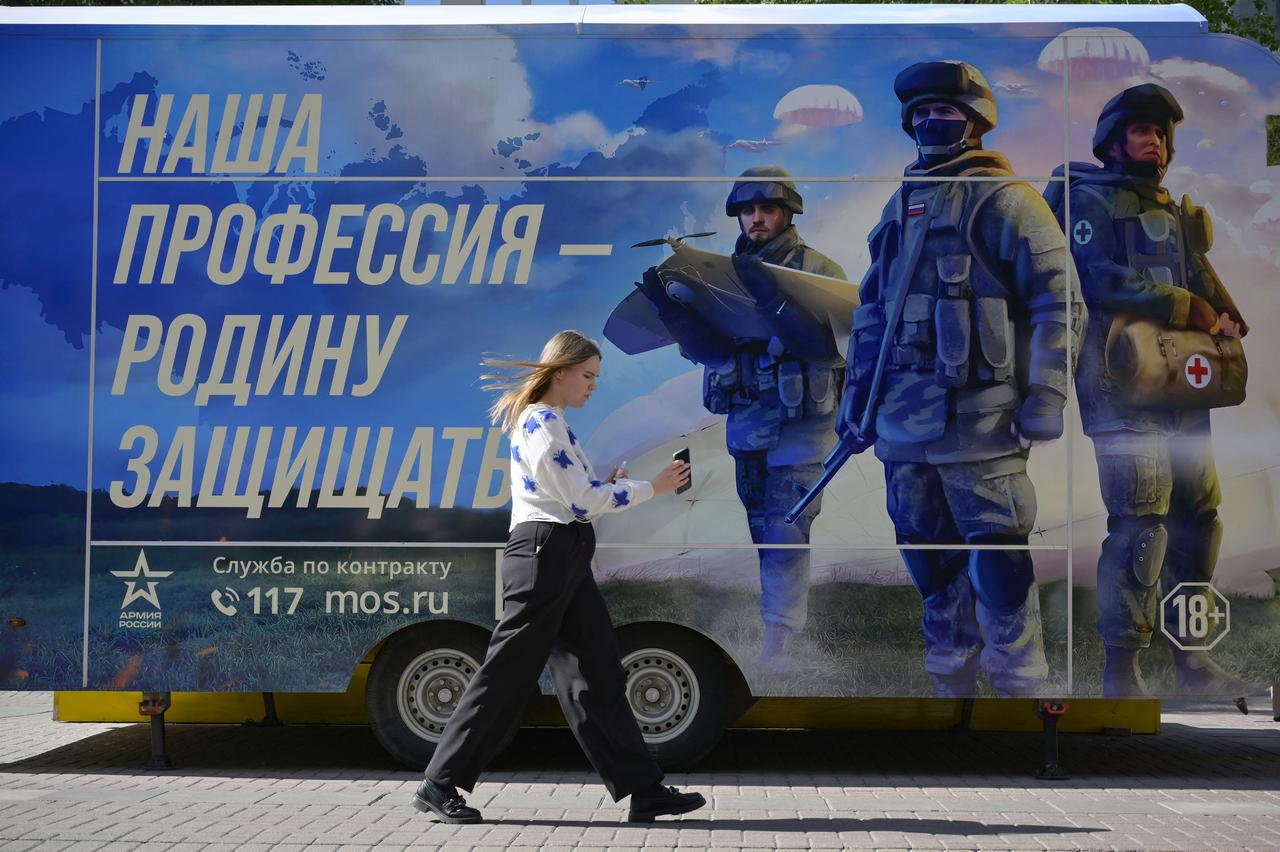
(864,640)
(860,640)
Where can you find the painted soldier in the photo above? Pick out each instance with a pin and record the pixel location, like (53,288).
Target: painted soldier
(1140,254)
(779,392)
(961,350)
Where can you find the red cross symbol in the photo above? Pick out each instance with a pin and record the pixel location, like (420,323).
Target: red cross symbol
(1198,371)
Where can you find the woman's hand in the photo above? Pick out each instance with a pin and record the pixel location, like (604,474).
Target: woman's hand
(619,472)
(672,477)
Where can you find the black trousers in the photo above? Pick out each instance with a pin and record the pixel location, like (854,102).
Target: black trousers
(552,613)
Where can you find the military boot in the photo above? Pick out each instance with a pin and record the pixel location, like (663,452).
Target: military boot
(1195,673)
(773,651)
(1121,676)
(1014,655)
(949,626)
(951,636)
(1008,607)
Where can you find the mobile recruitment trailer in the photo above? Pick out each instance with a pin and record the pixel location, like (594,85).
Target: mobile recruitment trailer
(252,258)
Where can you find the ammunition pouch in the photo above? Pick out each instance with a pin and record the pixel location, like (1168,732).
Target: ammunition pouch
(1158,224)
(822,390)
(1155,366)
(916,328)
(791,389)
(995,336)
(720,385)
(952,319)
(913,344)
(1197,227)
(804,390)
(765,376)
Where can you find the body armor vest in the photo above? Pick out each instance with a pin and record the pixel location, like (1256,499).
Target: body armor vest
(1153,245)
(955,321)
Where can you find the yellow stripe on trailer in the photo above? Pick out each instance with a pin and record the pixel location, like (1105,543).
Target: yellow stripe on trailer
(1087,715)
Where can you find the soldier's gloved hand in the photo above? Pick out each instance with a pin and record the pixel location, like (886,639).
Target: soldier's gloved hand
(652,288)
(1039,418)
(1202,315)
(758,280)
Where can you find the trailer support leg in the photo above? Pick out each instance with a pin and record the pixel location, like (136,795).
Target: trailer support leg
(1049,712)
(271,719)
(154,704)
(966,715)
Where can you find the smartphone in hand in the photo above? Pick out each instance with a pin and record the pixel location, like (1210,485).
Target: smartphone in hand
(683,455)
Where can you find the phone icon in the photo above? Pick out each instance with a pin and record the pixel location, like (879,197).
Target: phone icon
(221,606)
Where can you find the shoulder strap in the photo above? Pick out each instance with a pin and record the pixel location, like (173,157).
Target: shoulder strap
(794,258)
(1093,190)
(980,192)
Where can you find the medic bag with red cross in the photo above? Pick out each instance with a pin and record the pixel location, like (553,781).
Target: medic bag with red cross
(1156,366)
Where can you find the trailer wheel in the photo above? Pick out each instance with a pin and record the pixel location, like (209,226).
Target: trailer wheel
(678,689)
(414,686)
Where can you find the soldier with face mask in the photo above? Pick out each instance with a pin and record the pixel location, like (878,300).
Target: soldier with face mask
(779,393)
(960,349)
(1139,254)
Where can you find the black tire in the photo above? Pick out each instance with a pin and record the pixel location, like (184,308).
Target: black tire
(678,688)
(415,683)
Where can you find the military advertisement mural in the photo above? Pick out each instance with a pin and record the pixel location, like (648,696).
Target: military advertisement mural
(967,328)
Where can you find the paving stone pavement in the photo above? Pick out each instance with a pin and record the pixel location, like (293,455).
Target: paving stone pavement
(1209,780)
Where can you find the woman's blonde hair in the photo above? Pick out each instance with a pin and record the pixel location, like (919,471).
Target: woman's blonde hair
(526,382)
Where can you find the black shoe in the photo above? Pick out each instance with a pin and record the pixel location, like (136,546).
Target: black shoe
(445,802)
(662,801)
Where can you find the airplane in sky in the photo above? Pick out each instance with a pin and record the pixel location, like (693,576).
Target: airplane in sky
(753,146)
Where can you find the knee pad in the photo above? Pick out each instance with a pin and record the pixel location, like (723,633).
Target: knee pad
(1001,578)
(931,570)
(1148,554)
(1144,541)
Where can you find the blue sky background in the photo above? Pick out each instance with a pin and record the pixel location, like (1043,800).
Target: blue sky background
(443,107)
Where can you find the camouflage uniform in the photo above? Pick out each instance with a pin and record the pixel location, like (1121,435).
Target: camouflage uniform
(779,396)
(981,346)
(1138,253)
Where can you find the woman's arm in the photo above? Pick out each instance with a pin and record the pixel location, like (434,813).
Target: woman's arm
(559,473)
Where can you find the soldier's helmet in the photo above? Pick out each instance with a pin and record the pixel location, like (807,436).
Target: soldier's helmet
(947,80)
(764,184)
(1147,102)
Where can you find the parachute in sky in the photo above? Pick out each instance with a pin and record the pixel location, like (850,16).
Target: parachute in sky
(1095,53)
(819,105)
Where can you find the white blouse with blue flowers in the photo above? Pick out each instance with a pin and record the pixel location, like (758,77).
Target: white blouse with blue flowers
(552,478)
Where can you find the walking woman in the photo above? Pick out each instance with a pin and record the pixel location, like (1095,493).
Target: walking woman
(552,609)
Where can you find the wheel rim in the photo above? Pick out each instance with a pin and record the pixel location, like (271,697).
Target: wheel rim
(663,692)
(430,687)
